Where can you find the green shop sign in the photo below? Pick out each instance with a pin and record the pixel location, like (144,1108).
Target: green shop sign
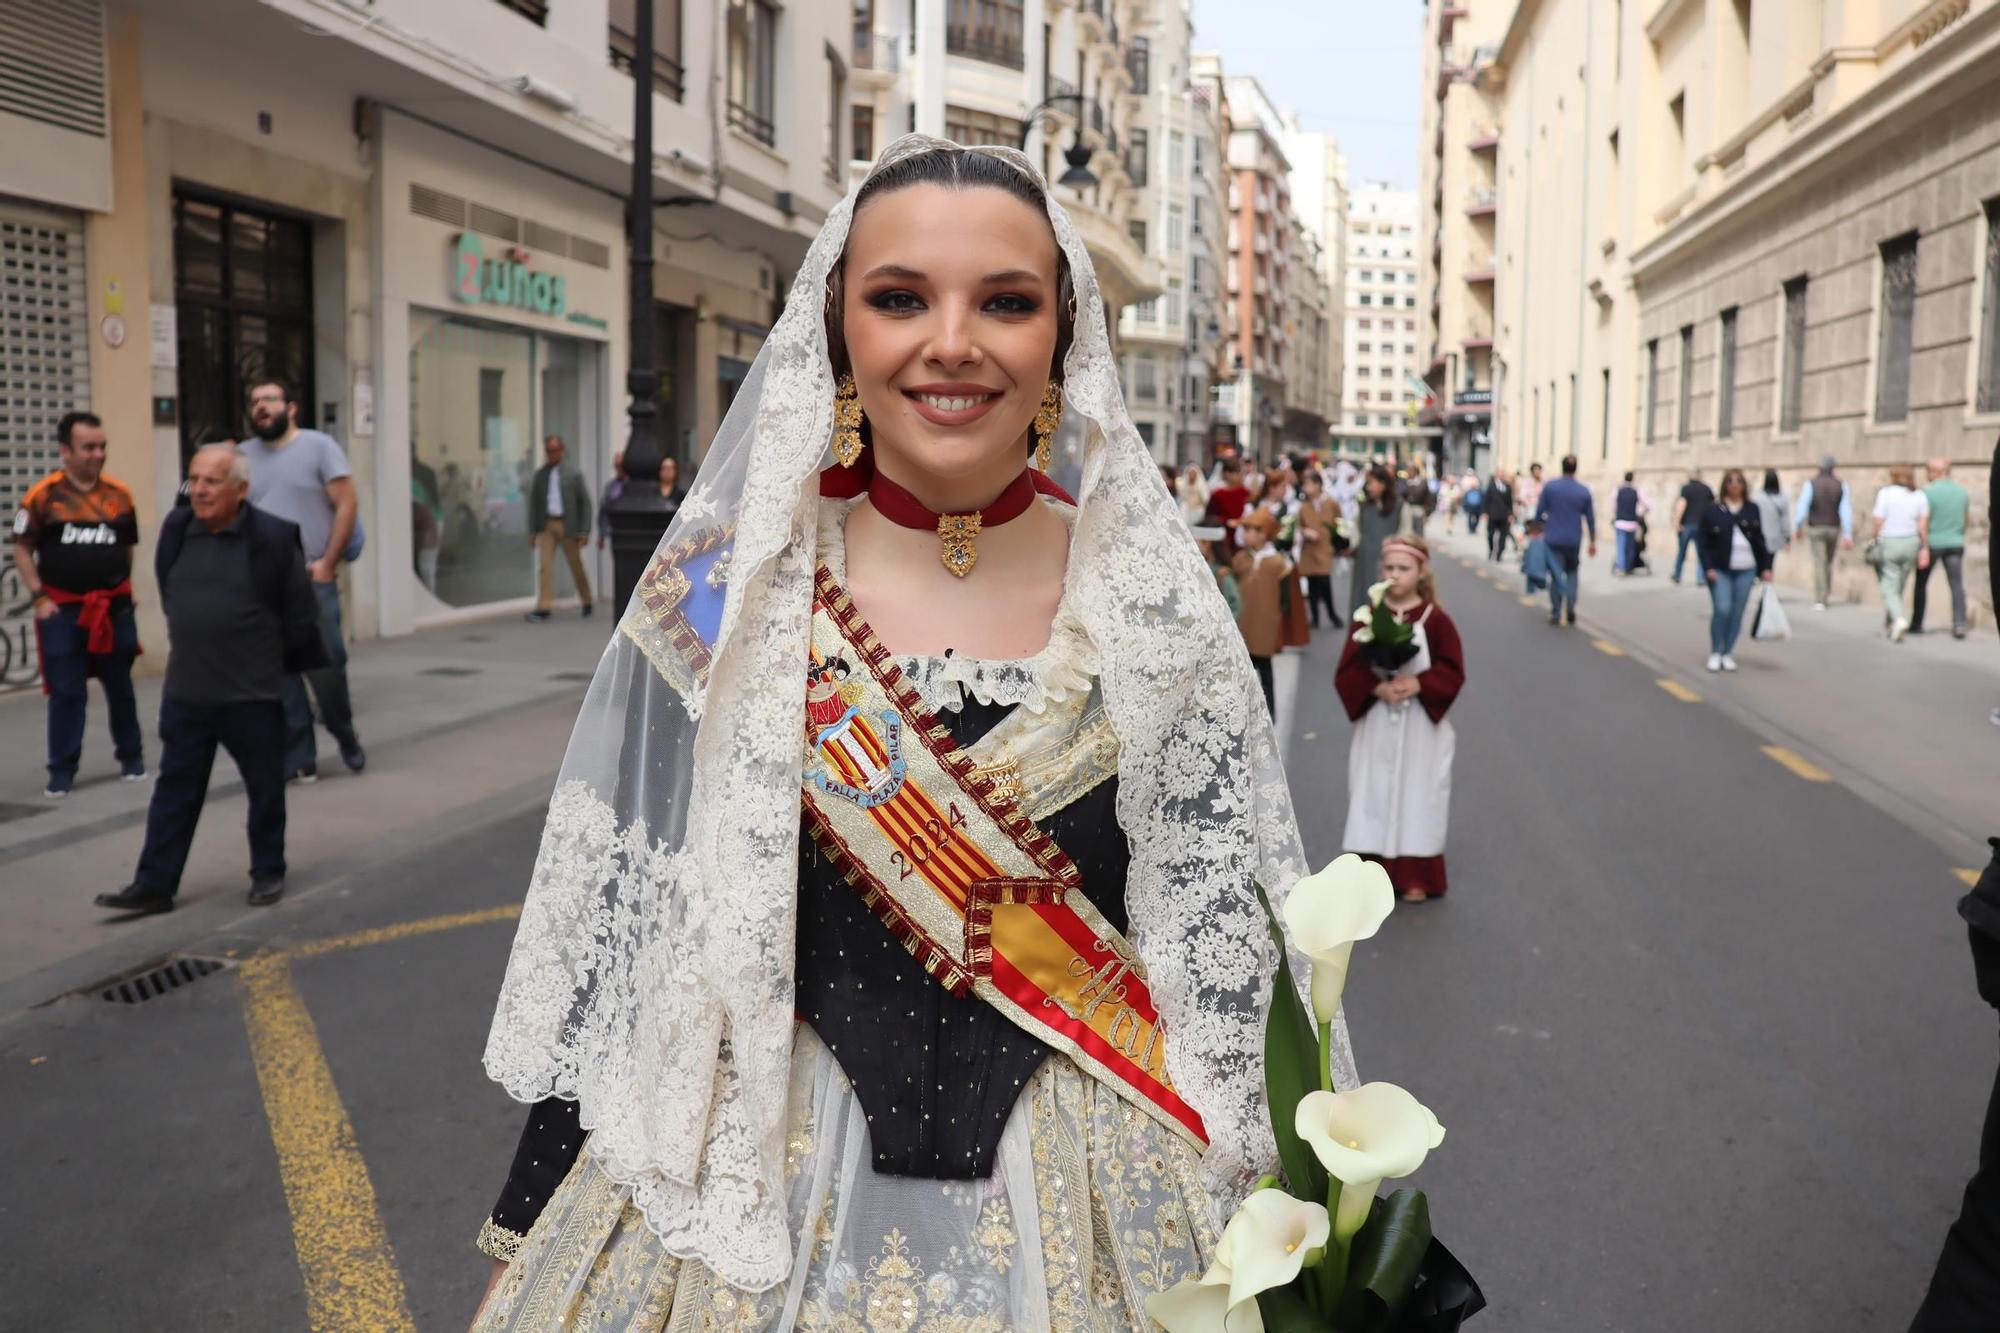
(477,280)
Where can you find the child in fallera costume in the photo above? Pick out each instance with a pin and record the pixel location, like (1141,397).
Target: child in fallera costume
(1399,767)
(1538,567)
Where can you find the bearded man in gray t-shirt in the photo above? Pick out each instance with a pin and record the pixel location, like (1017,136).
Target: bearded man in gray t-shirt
(302,476)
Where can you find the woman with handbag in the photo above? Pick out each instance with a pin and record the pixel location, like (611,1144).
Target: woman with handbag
(1901,545)
(1735,556)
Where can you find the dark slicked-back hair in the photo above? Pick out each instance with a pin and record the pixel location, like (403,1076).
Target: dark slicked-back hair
(955,169)
(71,420)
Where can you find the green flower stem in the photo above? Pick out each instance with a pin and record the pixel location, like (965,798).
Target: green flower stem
(1264,1183)
(1326,1057)
(1333,1264)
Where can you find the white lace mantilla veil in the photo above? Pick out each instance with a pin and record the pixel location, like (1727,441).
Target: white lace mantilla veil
(651,978)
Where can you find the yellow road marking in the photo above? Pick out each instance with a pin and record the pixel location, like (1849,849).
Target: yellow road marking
(1799,765)
(350,1272)
(1678,690)
(1608,648)
(403,930)
(1527,600)
(1969,876)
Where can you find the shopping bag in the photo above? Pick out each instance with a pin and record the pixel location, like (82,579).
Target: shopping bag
(1771,622)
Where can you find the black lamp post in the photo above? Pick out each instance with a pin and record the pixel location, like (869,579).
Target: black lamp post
(640,514)
(1079,176)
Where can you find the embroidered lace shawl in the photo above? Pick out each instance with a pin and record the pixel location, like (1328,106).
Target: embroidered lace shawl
(651,978)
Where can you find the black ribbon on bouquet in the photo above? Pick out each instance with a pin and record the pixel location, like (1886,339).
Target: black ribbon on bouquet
(1445,1295)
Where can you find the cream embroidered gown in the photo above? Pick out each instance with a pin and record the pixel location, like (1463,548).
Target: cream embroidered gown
(1076,1204)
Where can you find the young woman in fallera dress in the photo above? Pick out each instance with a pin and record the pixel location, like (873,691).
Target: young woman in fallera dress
(891,959)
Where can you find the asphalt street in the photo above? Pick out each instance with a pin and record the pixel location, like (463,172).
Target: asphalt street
(1702,1032)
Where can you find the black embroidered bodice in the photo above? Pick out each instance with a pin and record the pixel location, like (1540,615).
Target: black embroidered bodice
(937,1074)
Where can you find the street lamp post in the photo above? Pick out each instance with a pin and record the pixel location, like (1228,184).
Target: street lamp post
(1079,176)
(640,514)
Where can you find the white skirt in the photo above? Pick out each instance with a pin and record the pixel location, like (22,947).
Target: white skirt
(1399,782)
(1092,1206)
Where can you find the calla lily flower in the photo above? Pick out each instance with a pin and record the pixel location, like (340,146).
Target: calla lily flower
(1362,1137)
(1364,635)
(1268,1241)
(1327,912)
(1376,591)
(1363,614)
(1201,1305)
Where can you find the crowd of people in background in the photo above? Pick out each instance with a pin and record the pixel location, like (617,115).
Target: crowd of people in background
(1734,536)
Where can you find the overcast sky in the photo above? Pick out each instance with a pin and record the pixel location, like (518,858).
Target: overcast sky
(1350,68)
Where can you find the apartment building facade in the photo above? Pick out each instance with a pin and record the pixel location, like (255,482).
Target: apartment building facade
(412,212)
(1168,351)
(1320,197)
(1259,272)
(1382,388)
(1788,245)
(1458,228)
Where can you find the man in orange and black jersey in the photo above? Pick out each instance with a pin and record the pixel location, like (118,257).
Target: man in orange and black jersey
(73,540)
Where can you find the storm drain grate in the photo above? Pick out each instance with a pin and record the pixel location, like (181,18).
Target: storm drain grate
(571,675)
(451,671)
(157,981)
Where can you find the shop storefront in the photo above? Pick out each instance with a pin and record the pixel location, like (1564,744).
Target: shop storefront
(501,294)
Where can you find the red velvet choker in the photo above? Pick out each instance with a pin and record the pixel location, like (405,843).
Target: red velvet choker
(957,532)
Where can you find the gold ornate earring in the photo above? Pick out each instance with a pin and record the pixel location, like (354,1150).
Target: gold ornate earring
(846,422)
(1048,419)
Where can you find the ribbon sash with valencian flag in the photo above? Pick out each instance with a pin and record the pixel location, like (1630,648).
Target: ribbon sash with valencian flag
(976,892)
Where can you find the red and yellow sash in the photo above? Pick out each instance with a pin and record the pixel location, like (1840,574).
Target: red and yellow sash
(977,893)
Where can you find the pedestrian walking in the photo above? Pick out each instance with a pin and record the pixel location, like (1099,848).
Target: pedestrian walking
(1734,557)
(1825,513)
(1694,501)
(1472,499)
(1964,1292)
(1531,489)
(1227,504)
(73,540)
(1498,508)
(558,520)
(1567,510)
(1949,503)
(1774,511)
(303,477)
(1902,543)
(1379,516)
(1399,764)
(1262,571)
(1191,492)
(1628,512)
(614,488)
(1320,538)
(241,615)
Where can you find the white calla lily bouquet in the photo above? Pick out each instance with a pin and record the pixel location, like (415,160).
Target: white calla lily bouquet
(1322,1253)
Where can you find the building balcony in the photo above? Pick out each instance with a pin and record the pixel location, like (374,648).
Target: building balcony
(1481,204)
(1482,343)
(1125,274)
(1479,277)
(875,53)
(1448,16)
(1485,139)
(990,46)
(667,71)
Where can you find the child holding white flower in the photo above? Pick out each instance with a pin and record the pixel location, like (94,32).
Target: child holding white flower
(1399,767)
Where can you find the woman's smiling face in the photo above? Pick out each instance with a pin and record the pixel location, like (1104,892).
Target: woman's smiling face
(950,320)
